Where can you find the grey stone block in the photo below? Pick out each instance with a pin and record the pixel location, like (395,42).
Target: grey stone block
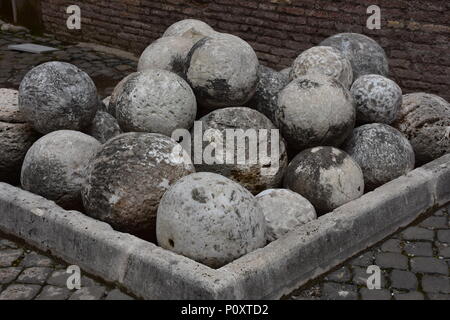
(429,265)
(20,292)
(9,256)
(381,294)
(34,275)
(443,236)
(403,280)
(341,275)
(35,259)
(434,222)
(116,294)
(436,284)
(88,293)
(390,260)
(337,291)
(360,276)
(54,293)
(418,233)
(413,295)
(421,249)
(7,275)
(392,245)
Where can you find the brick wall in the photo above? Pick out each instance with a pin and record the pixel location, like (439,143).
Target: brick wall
(414,33)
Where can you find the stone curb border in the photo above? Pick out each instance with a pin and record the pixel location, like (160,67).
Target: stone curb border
(268,273)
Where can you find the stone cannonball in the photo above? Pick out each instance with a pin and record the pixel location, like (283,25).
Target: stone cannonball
(223,71)
(193,28)
(209,219)
(315,110)
(326,176)
(55,166)
(382,152)
(377,99)
(286,71)
(327,61)
(364,53)
(57,95)
(104,127)
(252,176)
(284,210)
(127,178)
(154,100)
(425,120)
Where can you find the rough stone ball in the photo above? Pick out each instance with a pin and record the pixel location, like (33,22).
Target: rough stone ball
(327,61)
(284,211)
(154,100)
(127,178)
(251,175)
(55,166)
(382,152)
(326,176)
(425,120)
(286,71)
(196,29)
(223,71)
(57,95)
(315,110)
(364,53)
(269,85)
(377,99)
(104,127)
(209,219)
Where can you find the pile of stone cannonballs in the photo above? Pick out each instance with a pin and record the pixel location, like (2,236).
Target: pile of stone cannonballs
(345,129)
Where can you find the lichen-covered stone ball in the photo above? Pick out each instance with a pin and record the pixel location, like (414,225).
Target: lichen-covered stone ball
(326,176)
(262,173)
(154,100)
(284,210)
(315,110)
(209,219)
(127,178)
(196,29)
(382,152)
(327,61)
(57,95)
(425,120)
(55,166)
(364,53)
(223,71)
(377,99)
(104,127)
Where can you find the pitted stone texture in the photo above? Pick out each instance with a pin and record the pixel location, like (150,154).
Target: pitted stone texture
(153,100)
(256,177)
(54,293)
(326,176)
(286,72)
(57,95)
(327,61)
(315,110)
(196,29)
(104,127)
(55,166)
(364,53)
(383,153)
(210,219)
(9,106)
(425,120)
(378,99)
(284,210)
(223,71)
(127,178)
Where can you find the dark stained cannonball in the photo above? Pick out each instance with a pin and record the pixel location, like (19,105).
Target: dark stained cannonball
(127,178)
(57,95)
(425,120)
(104,127)
(383,153)
(326,176)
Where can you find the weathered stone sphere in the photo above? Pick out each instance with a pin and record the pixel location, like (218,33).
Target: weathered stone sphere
(425,120)
(326,176)
(364,53)
(377,99)
(55,166)
(196,29)
(209,219)
(104,127)
(168,53)
(284,211)
(127,178)
(382,152)
(315,110)
(327,61)
(286,71)
(57,95)
(154,100)
(223,71)
(252,176)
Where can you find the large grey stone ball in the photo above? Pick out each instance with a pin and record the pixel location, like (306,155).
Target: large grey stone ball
(127,178)
(284,211)
(425,120)
(223,71)
(377,99)
(364,53)
(383,153)
(154,100)
(193,28)
(327,61)
(57,95)
(315,110)
(104,127)
(55,166)
(252,176)
(209,219)
(326,176)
